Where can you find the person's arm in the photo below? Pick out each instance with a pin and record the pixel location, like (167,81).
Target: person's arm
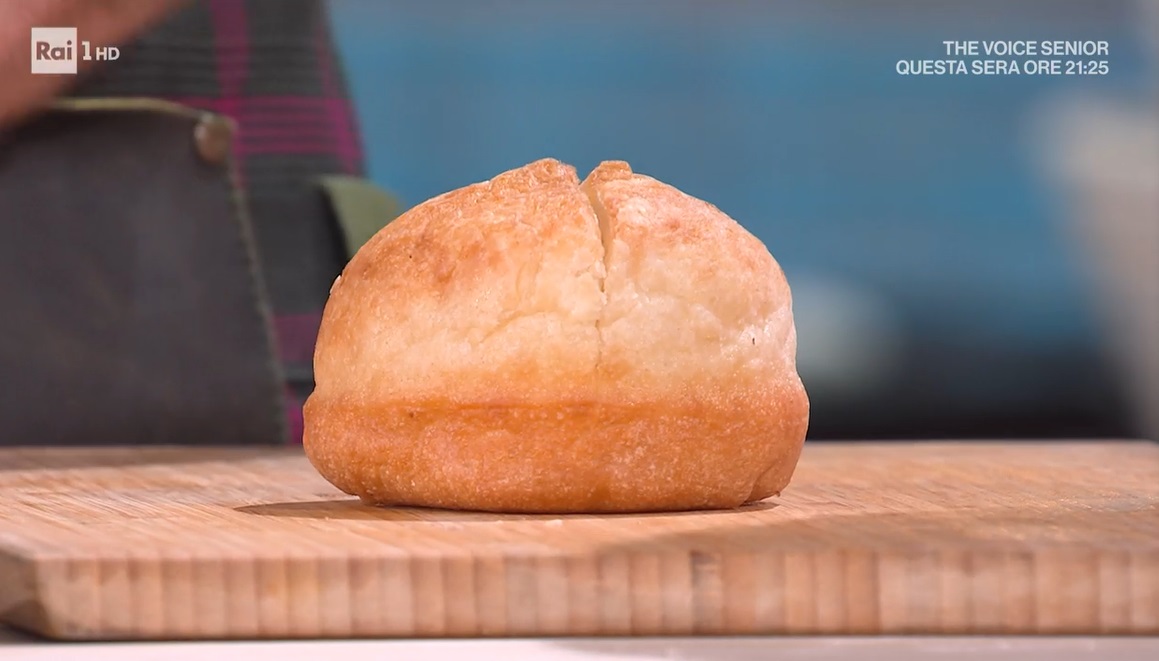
(102,22)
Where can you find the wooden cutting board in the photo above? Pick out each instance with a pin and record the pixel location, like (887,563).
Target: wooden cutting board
(869,538)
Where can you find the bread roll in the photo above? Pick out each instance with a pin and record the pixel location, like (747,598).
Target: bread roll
(537,344)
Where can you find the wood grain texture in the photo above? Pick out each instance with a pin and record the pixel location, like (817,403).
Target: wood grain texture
(935,538)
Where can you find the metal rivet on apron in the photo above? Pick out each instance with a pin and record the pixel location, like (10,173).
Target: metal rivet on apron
(213,137)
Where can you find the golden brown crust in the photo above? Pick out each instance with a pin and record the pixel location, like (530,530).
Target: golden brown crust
(533,344)
(582,457)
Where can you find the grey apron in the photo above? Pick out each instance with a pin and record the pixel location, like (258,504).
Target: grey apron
(132,310)
(132,306)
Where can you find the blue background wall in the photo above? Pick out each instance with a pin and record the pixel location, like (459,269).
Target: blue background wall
(790,116)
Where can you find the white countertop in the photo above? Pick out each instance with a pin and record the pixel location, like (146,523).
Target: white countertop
(16,647)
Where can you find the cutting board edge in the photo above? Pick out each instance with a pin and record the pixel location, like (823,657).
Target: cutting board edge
(59,612)
(82,635)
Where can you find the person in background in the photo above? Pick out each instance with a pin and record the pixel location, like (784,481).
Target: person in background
(163,270)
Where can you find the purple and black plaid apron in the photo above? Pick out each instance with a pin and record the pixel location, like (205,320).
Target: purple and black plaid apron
(271,66)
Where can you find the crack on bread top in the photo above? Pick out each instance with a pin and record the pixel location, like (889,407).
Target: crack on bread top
(607,239)
(605,171)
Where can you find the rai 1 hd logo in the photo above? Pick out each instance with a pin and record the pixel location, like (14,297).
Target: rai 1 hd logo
(57,50)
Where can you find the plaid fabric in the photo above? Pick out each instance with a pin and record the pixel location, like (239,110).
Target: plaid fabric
(272,67)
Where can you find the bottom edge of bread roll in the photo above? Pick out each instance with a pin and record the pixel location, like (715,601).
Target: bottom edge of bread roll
(565,459)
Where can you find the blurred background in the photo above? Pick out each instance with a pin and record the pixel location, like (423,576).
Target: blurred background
(970,256)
